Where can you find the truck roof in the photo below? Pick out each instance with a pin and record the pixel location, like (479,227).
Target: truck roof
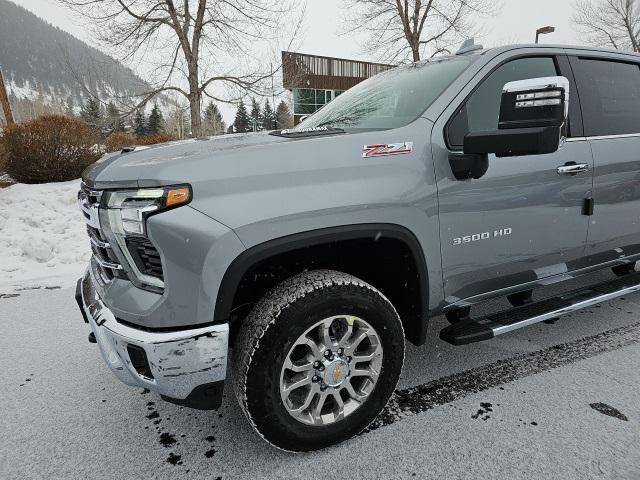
(552,46)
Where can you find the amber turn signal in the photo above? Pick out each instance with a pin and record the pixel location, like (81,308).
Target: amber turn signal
(178,196)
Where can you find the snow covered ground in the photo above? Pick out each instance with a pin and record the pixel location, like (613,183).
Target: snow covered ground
(554,401)
(43,240)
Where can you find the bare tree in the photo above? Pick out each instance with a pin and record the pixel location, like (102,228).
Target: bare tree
(410,29)
(190,40)
(614,23)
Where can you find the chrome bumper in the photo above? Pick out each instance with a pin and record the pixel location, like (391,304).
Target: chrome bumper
(178,362)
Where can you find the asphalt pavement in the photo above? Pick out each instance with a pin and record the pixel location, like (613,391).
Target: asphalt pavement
(555,400)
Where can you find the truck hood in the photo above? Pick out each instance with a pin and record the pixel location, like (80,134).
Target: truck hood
(168,163)
(243,179)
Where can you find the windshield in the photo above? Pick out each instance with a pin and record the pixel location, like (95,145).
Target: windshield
(390,99)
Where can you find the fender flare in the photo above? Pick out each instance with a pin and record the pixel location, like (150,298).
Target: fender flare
(262,251)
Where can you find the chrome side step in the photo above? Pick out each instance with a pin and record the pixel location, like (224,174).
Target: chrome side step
(476,330)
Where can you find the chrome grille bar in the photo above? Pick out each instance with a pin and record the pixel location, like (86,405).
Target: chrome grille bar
(105,264)
(97,241)
(102,252)
(89,201)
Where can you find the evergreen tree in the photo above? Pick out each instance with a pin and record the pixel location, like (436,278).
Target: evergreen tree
(213,124)
(283,116)
(156,120)
(113,121)
(92,114)
(268,117)
(139,124)
(255,120)
(241,123)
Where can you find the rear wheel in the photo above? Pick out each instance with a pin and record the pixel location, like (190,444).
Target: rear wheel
(317,359)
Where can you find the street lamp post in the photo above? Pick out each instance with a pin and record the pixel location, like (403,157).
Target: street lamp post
(544,31)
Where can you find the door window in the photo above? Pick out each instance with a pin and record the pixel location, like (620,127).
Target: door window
(482,108)
(610,96)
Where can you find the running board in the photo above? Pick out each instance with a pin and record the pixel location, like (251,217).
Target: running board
(471,330)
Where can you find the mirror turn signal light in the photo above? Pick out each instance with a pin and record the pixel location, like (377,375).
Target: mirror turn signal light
(178,196)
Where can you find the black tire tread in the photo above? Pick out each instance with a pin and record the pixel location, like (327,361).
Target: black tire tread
(266,313)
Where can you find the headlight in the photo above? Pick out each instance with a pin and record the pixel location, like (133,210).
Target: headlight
(126,214)
(129,209)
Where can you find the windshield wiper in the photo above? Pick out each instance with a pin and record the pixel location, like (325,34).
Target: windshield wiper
(307,132)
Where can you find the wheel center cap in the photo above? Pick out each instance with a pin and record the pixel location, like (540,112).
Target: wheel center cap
(335,372)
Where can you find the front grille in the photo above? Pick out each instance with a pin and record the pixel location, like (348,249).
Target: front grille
(105,256)
(140,256)
(87,199)
(145,256)
(107,262)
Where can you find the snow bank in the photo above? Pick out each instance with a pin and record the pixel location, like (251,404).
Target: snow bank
(43,240)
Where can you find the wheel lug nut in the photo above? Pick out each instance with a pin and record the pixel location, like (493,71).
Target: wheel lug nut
(349,359)
(315,379)
(340,351)
(323,387)
(327,353)
(316,365)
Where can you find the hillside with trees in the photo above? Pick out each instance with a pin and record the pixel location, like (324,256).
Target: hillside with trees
(48,70)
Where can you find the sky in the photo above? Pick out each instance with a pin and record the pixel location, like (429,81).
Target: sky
(516,22)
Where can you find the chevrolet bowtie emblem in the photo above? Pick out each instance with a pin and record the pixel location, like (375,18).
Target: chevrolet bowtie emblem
(336,373)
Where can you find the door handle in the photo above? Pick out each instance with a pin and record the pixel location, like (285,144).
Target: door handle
(573,168)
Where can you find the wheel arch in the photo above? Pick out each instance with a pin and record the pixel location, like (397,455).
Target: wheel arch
(415,324)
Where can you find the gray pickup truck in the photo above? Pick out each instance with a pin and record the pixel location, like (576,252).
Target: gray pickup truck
(302,259)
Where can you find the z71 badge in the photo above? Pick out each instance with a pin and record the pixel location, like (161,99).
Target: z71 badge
(381,150)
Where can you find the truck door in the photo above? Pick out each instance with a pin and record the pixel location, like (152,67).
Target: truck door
(522,221)
(609,91)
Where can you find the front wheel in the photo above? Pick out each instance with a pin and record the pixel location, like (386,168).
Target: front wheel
(317,359)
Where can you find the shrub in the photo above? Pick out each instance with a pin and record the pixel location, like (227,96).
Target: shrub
(154,138)
(51,148)
(5,180)
(118,140)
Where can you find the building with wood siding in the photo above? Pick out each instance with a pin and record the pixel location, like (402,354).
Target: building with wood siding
(314,81)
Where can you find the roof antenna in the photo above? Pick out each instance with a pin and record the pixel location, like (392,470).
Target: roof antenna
(468,46)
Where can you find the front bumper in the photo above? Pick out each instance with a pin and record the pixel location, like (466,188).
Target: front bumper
(187,367)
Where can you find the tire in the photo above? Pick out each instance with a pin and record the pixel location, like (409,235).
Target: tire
(270,334)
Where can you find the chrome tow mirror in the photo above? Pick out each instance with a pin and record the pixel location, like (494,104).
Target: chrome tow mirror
(533,120)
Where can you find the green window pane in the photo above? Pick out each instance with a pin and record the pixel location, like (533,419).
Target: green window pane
(304,95)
